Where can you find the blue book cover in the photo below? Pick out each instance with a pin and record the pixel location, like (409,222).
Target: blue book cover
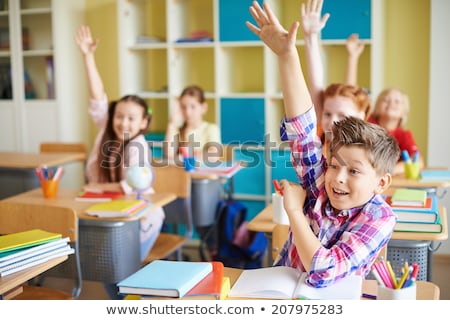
(435,175)
(165,278)
(417,214)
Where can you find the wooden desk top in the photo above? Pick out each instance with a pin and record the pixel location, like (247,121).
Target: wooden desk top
(402,182)
(425,290)
(263,222)
(16,279)
(25,160)
(66,198)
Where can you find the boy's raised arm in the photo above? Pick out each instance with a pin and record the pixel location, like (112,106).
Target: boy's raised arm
(297,99)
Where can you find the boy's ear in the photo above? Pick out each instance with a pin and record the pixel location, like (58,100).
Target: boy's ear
(383,183)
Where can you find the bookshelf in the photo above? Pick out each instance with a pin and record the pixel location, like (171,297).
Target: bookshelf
(41,88)
(238,73)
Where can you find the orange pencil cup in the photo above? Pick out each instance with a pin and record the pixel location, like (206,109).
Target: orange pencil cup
(49,188)
(412,170)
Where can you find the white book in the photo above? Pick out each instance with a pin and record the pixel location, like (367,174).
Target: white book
(33,261)
(21,254)
(288,283)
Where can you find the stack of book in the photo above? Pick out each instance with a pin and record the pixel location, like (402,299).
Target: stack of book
(22,250)
(116,208)
(177,279)
(415,210)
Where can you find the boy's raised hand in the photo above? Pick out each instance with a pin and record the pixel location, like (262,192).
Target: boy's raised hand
(270,30)
(311,21)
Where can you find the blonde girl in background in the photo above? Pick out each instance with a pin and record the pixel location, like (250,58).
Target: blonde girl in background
(391,112)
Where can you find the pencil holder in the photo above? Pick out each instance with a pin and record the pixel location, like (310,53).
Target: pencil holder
(189,163)
(408,293)
(412,170)
(279,213)
(49,188)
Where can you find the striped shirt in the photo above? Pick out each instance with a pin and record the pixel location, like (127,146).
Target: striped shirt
(352,239)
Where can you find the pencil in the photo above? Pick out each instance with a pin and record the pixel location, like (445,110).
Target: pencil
(277,186)
(392,274)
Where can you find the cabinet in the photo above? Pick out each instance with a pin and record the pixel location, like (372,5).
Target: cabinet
(239,74)
(41,87)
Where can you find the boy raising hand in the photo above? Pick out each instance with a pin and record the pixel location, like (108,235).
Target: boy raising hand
(338,220)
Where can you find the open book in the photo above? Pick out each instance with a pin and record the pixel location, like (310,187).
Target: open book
(288,283)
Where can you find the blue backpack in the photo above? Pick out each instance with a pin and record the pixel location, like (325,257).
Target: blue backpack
(237,246)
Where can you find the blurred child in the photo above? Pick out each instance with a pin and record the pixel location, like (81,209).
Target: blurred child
(188,128)
(119,144)
(391,113)
(335,102)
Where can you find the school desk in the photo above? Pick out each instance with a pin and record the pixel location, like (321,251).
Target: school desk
(11,284)
(263,222)
(399,181)
(425,290)
(109,248)
(17,169)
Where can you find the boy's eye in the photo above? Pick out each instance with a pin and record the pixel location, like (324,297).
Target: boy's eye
(354,171)
(332,166)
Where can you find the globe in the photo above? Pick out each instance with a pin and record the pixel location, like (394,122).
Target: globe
(139,178)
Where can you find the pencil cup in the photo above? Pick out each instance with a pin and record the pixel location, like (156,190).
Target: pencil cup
(189,163)
(49,188)
(408,293)
(279,213)
(412,170)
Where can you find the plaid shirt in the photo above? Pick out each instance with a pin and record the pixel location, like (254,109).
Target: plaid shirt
(352,239)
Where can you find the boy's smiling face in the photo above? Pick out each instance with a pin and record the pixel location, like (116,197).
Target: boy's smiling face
(350,180)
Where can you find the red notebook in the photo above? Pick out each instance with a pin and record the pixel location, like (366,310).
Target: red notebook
(98,196)
(211,285)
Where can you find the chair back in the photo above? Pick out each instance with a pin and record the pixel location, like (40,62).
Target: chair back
(174,179)
(18,217)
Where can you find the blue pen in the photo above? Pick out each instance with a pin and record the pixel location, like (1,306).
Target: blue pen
(405,156)
(416,157)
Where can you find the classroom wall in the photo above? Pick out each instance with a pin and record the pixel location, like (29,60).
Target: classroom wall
(439,113)
(406,60)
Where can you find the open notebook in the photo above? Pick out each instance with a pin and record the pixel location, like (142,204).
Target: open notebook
(288,283)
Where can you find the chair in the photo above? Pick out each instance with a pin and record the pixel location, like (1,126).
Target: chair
(47,147)
(17,217)
(176,180)
(279,236)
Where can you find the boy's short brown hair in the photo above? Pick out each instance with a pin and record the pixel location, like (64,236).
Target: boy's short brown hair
(382,149)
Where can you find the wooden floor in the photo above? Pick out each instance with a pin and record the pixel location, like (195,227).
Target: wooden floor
(441,268)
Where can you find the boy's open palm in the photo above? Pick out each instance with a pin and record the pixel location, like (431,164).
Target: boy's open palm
(270,30)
